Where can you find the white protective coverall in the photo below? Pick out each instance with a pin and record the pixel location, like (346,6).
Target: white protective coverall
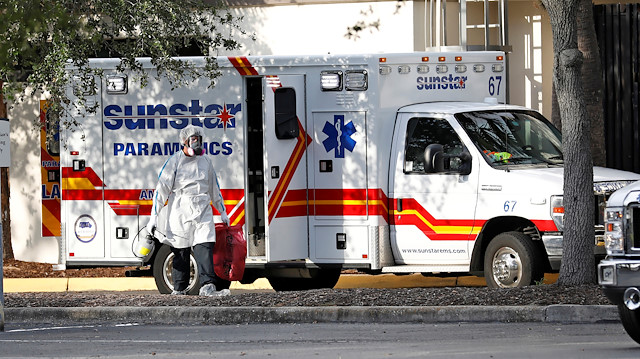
(190,184)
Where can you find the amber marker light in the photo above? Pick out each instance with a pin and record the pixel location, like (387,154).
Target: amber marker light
(442,59)
(458,58)
(425,59)
(499,57)
(382,59)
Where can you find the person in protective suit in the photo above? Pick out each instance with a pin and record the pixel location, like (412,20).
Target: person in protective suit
(188,180)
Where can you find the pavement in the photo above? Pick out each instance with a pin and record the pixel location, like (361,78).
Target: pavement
(240,315)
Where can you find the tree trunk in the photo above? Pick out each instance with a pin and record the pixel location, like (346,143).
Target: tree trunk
(592,80)
(577,260)
(7,248)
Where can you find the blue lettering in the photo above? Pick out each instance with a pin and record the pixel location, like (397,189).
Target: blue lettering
(195,108)
(166,149)
(233,108)
(117,148)
(156,149)
(171,148)
(213,148)
(44,192)
(146,194)
(447,82)
(129,149)
(143,149)
(226,146)
(55,191)
(176,116)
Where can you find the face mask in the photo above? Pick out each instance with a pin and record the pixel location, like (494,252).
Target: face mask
(195,146)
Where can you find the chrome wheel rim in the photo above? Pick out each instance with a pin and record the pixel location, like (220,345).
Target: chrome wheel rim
(168,268)
(506,267)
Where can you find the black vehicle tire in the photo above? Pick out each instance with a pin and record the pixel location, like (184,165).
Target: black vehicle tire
(162,267)
(511,261)
(322,278)
(630,321)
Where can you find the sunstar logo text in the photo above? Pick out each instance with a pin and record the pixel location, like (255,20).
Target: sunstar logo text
(449,82)
(176,116)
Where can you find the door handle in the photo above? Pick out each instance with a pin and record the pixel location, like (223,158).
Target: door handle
(399,204)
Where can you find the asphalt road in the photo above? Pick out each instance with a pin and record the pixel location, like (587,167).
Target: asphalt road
(323,340)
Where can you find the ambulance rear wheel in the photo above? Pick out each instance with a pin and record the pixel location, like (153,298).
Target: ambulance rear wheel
(511,261)
(162,267)
(325,278)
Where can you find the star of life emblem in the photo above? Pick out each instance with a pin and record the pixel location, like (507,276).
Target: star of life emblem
(339,136)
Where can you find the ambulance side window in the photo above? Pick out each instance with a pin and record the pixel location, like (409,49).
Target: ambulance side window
(422,132)
(286,117)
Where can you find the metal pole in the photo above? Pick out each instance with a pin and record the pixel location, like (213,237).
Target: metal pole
(1,270)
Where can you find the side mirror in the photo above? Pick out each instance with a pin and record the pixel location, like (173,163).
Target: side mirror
(433,159)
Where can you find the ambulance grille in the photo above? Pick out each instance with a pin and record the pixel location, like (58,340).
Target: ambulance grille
(633,240)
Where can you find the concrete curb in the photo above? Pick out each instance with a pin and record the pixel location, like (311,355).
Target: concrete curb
(356,314)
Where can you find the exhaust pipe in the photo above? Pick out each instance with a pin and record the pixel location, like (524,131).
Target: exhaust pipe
(631,298)
(139,273)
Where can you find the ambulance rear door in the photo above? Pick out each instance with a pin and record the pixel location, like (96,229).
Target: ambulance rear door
(81,179)
(286,143)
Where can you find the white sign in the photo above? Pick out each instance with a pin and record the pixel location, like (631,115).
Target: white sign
(5,143)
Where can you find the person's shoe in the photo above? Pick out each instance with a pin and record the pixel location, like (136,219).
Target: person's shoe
(222,293)
(179,292)
(208,290)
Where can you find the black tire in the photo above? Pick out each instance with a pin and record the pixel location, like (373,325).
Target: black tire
(630,321)
(512,261)
(323,278)
(162,266)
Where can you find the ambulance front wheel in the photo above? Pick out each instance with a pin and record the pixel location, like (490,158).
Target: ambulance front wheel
(162,267)
(511,261)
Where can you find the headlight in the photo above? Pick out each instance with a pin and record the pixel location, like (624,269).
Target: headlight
(557,212)
(613,236)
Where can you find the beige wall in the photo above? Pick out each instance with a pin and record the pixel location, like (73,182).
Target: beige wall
(531,61)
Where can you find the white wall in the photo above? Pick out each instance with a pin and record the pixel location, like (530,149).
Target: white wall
(28,245)
(320,29)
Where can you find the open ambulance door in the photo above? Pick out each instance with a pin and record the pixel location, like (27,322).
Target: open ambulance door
(285,161)
(50,175)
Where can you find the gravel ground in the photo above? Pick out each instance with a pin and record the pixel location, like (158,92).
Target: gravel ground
(541,295)
(533,295)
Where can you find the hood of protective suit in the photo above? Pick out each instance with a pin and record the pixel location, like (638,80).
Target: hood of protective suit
(194,146)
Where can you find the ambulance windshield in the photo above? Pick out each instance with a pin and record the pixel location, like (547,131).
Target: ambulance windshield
(513,137)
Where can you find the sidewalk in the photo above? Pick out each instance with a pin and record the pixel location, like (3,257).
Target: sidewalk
(18,285)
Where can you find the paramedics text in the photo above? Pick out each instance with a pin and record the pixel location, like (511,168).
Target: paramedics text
(163,116)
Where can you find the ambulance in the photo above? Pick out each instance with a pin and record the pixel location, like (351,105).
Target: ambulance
(380,163)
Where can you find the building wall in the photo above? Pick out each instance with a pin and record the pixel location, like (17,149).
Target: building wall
(304,27)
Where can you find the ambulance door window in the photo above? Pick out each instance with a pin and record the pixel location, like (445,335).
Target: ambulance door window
(422,132)
(285,116)
(53,136)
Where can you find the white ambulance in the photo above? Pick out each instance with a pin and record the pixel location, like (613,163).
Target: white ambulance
(383,163)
